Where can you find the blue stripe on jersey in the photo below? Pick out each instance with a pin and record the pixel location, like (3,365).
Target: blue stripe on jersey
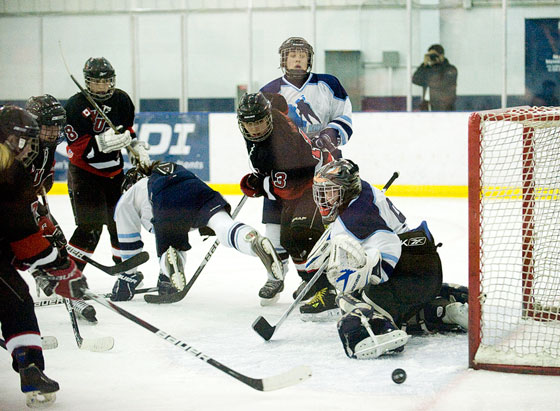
(362,217)
(132,235)
(333,84)
(344,131)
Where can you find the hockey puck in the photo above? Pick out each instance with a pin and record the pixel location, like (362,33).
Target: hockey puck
(398,376)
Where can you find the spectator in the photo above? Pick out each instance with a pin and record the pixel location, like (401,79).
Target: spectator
(438,79)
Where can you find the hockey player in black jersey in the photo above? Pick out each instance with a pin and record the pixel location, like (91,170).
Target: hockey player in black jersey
(51,118)
(23,247)
(284,163)
(95,172)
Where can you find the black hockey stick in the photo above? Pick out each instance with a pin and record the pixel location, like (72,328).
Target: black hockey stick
(291,377)
(263,327)
(178,296)
(92,101)
(47,342)
(89,344)
(118,268)
(47,302)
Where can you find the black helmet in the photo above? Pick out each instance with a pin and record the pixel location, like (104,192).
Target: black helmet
(295,44)
(96,69)
(48,111)
(256,110)
(19,131)
(334,186)
(131,177)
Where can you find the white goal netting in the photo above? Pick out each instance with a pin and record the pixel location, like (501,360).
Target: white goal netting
(519,237)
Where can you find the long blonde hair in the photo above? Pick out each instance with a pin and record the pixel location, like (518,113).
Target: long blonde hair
(6,157)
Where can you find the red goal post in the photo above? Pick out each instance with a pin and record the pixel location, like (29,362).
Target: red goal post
(514,240)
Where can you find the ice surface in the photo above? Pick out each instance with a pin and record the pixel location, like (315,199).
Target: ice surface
(143,372)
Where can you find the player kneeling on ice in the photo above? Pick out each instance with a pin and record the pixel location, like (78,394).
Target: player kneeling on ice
(169,201)
(384,272)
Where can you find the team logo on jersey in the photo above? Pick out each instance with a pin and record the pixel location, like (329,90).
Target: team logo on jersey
(414,241)
(303,114)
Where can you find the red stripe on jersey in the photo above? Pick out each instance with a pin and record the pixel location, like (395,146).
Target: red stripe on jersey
(30,246)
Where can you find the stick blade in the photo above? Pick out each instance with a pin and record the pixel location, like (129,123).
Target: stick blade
(98,344)
(263,328)
(287,379)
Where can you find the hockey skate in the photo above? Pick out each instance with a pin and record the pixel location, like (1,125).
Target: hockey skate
(457,313)
(38,388)
(308,295)
(85,311)
(264,249)
(322,307)
(174,266)
(270,292)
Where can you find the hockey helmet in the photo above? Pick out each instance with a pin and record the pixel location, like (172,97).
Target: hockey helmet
(254,117)
(19,132)
(98,70)
(48,112)
(334,186)
(131,177)
(295,44)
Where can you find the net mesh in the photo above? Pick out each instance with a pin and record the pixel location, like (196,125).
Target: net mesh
(520,237)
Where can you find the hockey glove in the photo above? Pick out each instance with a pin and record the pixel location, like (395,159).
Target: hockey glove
(67,278)
(140,158)
(52,232)
(326,141)
(252,185)
(110,141)
(124,287)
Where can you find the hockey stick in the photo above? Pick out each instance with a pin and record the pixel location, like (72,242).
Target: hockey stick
(89,344)
(47,302)
(92,101)
(47,343)
(291,377)
(263,327)
(118,268)
(178,296)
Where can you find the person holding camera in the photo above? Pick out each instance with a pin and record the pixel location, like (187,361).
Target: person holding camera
(438,79)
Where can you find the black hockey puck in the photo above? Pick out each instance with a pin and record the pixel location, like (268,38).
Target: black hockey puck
(398,376)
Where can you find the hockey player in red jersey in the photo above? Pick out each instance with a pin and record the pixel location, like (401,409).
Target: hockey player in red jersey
(23,247)
(95,173)
(51,118)
(284,163)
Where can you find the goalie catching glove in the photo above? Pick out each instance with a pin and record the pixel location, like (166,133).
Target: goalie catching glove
(350,268)
(138,154)
(110,141)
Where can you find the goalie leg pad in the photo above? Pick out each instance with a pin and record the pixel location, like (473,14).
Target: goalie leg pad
(366,334)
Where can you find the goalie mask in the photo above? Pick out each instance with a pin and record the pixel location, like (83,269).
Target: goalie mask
(99,76)
(19,131)
(292,50)
(50,116)
(254,117)
(334,186)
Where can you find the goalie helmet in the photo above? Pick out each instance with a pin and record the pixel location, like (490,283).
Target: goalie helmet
(131,177)
(19,132)
(334,186)
(49,113)
(98,71)
(254,117)
(295,44)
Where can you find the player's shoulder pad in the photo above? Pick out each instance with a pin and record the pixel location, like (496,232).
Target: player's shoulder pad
(165,169)
(332,82)
(273,86)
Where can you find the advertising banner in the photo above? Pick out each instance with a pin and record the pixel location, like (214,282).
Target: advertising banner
(178,137)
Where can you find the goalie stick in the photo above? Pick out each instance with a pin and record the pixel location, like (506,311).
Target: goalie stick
(263,327)
(48,342)
(47,302)
(89,344)
(178,296)
(286,379)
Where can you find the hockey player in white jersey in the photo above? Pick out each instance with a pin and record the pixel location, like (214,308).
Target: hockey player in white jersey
(385,273)
(169,201)
(319,106)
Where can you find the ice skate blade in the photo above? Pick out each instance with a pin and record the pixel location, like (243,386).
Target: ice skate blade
(324,316)
(35,399)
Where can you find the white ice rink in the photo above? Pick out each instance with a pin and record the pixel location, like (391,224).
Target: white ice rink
(143,372)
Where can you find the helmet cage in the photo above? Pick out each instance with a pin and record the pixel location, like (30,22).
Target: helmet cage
(256,110)
(131,177)
(48,112)
(295,44)
(327,195)
(19,132)
(98,70)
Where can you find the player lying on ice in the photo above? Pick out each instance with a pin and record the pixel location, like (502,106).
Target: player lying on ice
(169,201)
(387,276)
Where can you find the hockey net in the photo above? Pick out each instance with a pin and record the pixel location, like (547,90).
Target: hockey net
(514,240)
